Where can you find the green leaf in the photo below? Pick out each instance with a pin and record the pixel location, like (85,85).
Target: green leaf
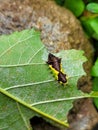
(27,85)
(76,8)
(90,25)
(93,94)
(95,89)
(92,7)
(94,71)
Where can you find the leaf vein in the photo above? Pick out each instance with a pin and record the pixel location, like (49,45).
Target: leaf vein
(29,84)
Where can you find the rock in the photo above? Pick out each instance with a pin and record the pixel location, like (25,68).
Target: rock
(84,115)
(59,30)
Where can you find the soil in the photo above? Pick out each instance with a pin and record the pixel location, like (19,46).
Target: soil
(59,30)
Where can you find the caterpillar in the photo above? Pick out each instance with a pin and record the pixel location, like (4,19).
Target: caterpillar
(56,67)
(54,61)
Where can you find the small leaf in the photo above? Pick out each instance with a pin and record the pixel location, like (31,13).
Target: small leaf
(94,71)
(92,7)
(95,89)
(90,25)
(76,8)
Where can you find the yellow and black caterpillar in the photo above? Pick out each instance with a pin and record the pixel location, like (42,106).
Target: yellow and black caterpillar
(56,67)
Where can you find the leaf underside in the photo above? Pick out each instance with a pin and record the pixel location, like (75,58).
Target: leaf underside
(26,77)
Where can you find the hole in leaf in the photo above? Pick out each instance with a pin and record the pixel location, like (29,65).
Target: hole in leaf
(38,123)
